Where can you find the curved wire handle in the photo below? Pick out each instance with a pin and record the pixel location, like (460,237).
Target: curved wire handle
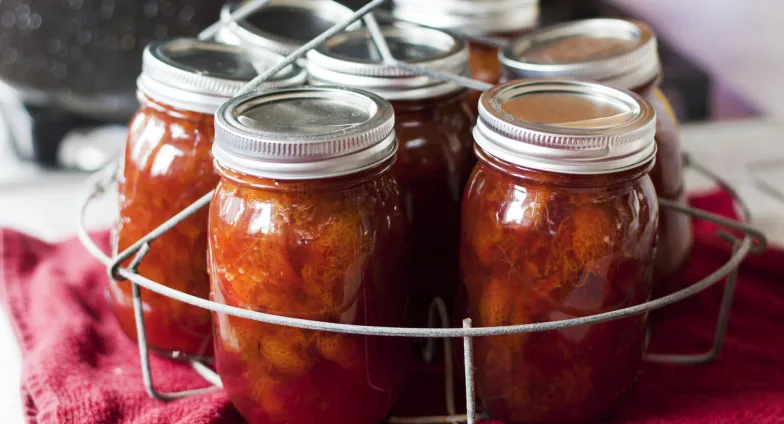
(753,241)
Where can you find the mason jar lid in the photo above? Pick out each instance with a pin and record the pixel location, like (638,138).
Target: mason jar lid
(304,133)
(283,26)
(611,51)
(474,16)
(199,76)
(351,59)
(565,126)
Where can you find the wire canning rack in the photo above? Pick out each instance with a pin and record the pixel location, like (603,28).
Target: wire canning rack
(750,241)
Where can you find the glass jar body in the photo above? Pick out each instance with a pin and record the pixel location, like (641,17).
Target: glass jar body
(435,158)
(484,64)
(434,161)
(483,60)
(167,166)
(675,232)
(539,247)
(328,250)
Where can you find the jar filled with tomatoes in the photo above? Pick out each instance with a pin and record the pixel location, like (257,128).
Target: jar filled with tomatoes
(433,124)
(621,54)
(167,166)
(307,222)
(559,221)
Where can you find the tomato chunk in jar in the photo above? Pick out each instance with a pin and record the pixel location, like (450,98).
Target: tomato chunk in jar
(433,126)
(167,166)
(620,54)
(559,222)
(307,223)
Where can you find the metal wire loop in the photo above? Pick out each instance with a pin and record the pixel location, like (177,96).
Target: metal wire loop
(240,13)
(744,248)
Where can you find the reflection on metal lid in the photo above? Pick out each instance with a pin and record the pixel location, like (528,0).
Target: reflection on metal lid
(568,110)
(305,116)
(579,48)
(200,75)
(612,51)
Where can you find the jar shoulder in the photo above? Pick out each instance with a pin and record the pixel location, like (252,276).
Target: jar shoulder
(437,136)
(161,144)
(515,207)
(305,212)
(270,250)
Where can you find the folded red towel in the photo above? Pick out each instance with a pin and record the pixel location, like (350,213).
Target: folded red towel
(78,367)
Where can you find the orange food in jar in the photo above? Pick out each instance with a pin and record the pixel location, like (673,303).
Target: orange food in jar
(433,125)
(167,166)
(559,223)
(620,54)
(307,222)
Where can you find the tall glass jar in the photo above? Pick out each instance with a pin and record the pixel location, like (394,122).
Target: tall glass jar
(433,124)
(167,166)
(559,222)
(307,222)
(621,54)
(282,26)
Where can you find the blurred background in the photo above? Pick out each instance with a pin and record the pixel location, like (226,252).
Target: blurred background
(68,71)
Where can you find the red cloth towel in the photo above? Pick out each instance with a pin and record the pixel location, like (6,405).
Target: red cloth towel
(78,367)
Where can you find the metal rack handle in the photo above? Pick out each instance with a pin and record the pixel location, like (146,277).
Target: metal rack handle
(753,240)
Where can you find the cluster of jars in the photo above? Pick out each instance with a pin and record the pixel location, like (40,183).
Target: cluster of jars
(361,197)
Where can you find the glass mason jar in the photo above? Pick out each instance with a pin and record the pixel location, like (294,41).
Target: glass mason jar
(166,167)
(433,125)
(307,222)
(559,222)
(282,26)
(620,54)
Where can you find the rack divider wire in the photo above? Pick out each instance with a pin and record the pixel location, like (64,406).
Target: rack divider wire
(751,241)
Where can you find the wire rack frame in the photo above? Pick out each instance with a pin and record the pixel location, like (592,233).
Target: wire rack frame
(751,241)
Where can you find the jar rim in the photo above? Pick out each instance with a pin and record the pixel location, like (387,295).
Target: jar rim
(519,171)
(336,182)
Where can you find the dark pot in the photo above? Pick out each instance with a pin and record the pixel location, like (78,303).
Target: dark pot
(84,55)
